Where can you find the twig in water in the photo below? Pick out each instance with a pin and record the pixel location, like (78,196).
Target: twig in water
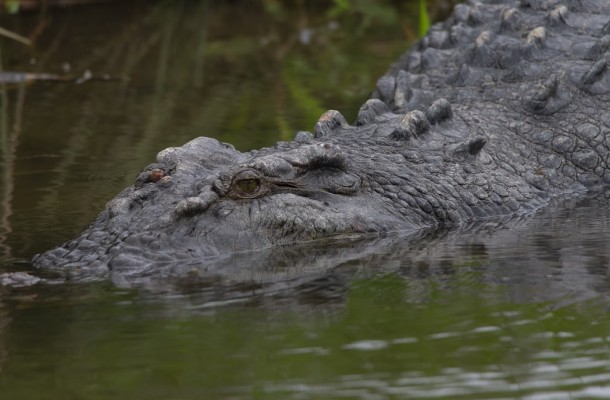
(15,36)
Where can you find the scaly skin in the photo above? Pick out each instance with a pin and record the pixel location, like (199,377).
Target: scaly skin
(501,108)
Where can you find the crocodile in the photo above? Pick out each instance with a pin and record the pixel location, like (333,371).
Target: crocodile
(494,113)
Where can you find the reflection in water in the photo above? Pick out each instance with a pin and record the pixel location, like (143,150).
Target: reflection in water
(9,139)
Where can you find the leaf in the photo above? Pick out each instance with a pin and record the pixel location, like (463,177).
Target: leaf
(339,7)
(424,20)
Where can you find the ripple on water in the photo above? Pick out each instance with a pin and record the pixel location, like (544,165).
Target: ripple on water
(548,383)
(566,365)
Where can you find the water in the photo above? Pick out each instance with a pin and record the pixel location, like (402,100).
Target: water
(503,309)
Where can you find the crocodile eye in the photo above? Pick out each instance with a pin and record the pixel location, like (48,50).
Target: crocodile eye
(247,184)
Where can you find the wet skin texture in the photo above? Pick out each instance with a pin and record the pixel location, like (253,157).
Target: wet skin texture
(496,111)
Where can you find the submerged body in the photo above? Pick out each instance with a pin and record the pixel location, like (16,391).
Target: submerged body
(494,112)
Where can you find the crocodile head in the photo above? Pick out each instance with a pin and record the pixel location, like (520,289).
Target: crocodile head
(206,199)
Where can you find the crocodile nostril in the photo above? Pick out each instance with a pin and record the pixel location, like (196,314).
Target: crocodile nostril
(155,175)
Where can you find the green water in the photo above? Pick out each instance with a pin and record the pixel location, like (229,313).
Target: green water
(377,345)
(502,310)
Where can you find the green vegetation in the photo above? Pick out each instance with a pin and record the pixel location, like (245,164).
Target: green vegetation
(424,19)
(12,6)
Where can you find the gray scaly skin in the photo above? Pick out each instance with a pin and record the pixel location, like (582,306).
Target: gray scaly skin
(499,109)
